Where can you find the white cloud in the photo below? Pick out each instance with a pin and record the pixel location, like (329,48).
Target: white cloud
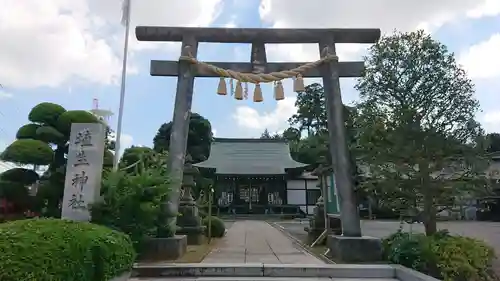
(252,121)
(171,13)
(5,95)
(214,132)
(49,42)
(248,118)
(487,8)
(483,59)
(384,14)
(231,23)
(310,52)
(126,141)
(491,121)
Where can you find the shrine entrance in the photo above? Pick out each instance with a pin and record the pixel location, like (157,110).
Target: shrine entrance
(260,71)
(249,195)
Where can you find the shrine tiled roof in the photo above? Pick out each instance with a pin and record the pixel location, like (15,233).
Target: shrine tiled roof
(249,157)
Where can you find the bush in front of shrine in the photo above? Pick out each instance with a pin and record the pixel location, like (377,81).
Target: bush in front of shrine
(218,228)
(133,203)
(443,256)
(55,249)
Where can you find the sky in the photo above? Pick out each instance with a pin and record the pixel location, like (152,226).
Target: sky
(70,52)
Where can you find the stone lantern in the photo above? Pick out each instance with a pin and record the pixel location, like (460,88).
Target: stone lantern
(189,220)
(317,222)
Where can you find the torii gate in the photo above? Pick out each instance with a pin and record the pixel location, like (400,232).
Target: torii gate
(330,70)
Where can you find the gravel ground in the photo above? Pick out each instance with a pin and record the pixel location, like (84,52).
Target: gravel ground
(486,231)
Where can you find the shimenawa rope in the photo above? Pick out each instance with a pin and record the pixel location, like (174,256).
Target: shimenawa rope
(257,78)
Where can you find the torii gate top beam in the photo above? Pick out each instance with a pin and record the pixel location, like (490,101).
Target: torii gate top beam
(251,35)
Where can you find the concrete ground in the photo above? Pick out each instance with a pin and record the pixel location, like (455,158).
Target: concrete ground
(486,231)
(248,241)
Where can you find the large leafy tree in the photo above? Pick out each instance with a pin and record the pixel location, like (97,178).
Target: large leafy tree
(199,138)
(311,110)
(311,117)
(133,155)
(417,131)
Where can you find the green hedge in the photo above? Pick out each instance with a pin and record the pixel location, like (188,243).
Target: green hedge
(62,250)
(443,256)
(218,228)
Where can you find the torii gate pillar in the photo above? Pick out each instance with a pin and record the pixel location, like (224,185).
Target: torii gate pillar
(330,72)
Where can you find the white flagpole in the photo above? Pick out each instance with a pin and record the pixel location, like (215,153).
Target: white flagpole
(125,21)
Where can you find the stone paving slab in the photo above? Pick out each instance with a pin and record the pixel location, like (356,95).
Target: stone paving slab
(260,279)
(256,241)
(262,271)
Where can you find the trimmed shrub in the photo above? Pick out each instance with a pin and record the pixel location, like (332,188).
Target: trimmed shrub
(74,116)
(46,113)
(54,249)
(27,131)
(50,134)
(443,256)
(28,151)
(218,228)
(20,175)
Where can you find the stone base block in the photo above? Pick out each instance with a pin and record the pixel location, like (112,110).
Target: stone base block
(195,235)
(355,249)
(195,239)
(335,224)
(159,249)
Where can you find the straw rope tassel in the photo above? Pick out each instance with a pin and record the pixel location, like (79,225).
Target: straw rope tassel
(245,91)
(298,84)
(257,93)
(274,90)
(238,92)
(222,88)
(254,78)
(279,92)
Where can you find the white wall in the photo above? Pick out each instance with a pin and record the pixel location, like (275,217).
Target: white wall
(312,184)
(295,184)
(296,193)
(296,197)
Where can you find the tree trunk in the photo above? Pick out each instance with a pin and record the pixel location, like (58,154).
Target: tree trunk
(429,208)
(370,211)
(429,212)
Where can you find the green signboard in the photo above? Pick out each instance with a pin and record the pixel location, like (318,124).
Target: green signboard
(332,202)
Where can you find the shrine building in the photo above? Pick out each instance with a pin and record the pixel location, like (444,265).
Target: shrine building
(251,177)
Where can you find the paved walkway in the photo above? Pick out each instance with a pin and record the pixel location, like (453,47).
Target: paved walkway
(258,242)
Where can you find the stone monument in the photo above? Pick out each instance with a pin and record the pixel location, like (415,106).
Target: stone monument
(83,170)
(189,220)
(258,71)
